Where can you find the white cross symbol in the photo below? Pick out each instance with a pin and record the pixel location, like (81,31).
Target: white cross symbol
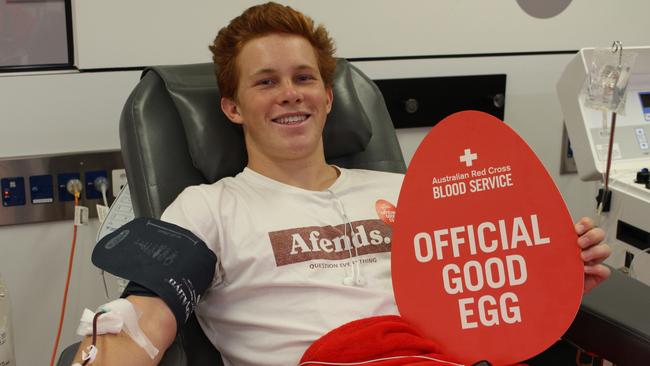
(468,157)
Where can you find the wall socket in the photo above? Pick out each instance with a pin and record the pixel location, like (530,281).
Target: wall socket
(31,185)
(118,180)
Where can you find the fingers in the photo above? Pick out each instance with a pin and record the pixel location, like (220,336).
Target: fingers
(583,225)
(595,254)
(597,270)
(594,275)
(591,237)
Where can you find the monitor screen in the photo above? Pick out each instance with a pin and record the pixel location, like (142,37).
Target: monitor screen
(645,99)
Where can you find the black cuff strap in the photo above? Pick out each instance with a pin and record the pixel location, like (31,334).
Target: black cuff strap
(159,258)
(133,288)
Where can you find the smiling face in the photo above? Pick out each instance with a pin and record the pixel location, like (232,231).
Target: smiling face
(281,100)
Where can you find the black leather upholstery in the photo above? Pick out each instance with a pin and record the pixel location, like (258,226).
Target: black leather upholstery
(614,321)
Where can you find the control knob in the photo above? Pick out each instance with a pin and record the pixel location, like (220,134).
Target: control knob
(411,105)
(643,176)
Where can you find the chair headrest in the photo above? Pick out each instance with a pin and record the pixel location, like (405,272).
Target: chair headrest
(217,145)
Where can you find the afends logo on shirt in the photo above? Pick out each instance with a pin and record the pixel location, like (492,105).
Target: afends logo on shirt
(330,242)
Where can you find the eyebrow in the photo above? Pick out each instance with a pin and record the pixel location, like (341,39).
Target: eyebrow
(270,70)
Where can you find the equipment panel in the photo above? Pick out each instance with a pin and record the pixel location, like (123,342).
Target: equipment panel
(34,188)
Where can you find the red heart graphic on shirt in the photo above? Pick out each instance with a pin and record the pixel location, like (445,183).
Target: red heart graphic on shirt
(386,211)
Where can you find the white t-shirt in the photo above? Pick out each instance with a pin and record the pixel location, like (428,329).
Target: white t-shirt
(283,256)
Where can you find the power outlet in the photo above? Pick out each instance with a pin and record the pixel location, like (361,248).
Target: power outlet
(93,192)
(118,177)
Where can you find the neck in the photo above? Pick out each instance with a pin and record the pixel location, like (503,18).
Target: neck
(312,174)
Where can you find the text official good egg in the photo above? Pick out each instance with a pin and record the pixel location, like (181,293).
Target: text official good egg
(485,258)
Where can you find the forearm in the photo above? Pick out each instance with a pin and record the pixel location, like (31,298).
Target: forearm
(156,321)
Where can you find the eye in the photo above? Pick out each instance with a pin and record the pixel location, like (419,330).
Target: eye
(265,82)
(305,77)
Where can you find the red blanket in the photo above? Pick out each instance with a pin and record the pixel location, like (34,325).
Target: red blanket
(382,340)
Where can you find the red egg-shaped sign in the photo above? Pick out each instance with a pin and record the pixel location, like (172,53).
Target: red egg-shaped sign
(485,259)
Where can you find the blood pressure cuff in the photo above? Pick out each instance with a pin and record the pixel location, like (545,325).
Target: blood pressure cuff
(163,258)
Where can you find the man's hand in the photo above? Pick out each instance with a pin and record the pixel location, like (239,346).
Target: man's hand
(594,252)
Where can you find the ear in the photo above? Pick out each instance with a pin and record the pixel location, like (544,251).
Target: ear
(230,109)
(330,99)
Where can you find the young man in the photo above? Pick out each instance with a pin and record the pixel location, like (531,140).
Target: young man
(272,295)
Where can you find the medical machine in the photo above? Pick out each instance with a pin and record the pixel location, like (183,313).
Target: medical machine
(605,100)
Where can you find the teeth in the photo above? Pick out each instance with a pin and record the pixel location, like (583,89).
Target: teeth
(291,119)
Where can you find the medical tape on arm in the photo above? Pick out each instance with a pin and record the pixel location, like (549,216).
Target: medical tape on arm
(120,315)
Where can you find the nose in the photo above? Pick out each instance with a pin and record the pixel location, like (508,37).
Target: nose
(290,93)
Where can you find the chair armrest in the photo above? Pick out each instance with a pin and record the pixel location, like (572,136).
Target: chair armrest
(614,321)
(67,356)
(175,356)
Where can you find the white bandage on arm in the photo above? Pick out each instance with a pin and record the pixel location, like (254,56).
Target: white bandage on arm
(120,315)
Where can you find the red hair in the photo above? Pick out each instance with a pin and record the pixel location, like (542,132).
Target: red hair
(261,20)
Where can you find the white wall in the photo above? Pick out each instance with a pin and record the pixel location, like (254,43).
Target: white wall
(51,114)
(169,31)
(59,113)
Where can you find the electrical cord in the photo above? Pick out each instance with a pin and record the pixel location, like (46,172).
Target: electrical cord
(633,270)
(104,197)
(101,184)
(67,284)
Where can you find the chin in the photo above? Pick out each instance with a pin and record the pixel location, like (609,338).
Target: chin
(302,150)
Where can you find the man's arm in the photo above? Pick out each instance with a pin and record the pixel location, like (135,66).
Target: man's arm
(156,321)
